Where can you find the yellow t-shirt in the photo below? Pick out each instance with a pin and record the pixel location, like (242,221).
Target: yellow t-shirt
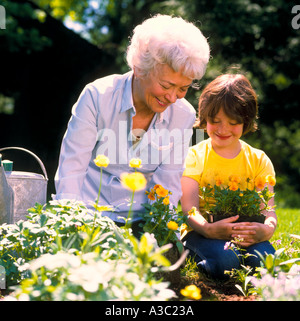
(205,166)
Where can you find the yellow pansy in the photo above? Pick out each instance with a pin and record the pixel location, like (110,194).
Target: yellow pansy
(161,192)
(271,180)
(233,186)
(166,200)
(260,182)
(151,195)
(235,179)
(219,181)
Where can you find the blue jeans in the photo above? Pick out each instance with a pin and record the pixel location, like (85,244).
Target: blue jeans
(211,258)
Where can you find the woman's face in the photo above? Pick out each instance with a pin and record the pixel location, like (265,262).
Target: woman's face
(224,131)
(159,89)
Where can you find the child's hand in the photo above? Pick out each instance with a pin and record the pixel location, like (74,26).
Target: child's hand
(251,233)
(221,230)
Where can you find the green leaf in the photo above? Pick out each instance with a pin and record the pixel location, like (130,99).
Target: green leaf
(269,261)
(240,288)
(279,252)
(43,219)
(180,246)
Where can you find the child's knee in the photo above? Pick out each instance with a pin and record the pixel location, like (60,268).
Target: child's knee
(217,266)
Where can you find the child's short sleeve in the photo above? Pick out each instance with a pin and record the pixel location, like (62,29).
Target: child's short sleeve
(265,167)
(193,165)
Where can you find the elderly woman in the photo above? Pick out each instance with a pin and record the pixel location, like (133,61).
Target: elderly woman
(141,114)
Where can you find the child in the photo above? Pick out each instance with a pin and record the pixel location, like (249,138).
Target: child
(227,110)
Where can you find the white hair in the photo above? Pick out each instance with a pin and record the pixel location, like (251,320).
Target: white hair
(163,39)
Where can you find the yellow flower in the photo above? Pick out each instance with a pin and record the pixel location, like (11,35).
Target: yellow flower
(241,195)
(135,163)
(183,226)
(192,211)
(219,181)
(172,225)
(161,192)
(101,161)
(191,292)
(233,186)
(271,180)
(235,179)
(151,195)
(133,181)
(166,200)
(260,182)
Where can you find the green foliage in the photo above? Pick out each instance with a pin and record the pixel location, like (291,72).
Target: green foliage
(18,37)
(278,279)
(281,142)
(285,235)
(65,251)
(67,277)
(228,201)
(159,215)
(45,231)
(279,274)
(60,9)
(252,37)
(242,275)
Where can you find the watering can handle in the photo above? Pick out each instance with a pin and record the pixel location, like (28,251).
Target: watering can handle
(32,154)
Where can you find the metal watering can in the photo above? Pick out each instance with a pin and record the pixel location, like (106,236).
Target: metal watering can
(19,191)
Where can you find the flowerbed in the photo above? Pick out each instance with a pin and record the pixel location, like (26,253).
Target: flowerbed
(66,251)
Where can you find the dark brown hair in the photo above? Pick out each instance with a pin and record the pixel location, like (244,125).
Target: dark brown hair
(233,93)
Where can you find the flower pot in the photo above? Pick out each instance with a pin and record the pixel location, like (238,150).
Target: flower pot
(242,218)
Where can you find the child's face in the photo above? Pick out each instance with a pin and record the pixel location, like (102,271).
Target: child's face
(224,131)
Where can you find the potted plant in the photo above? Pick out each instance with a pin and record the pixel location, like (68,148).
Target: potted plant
(222,201)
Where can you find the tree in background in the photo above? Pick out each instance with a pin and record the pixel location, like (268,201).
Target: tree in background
(253,37)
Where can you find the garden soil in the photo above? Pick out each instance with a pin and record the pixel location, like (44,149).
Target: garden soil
(212,290)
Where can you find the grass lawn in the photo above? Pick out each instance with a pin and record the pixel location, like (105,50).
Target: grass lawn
(288,223)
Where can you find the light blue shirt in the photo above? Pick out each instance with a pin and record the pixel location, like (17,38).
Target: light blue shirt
(101,123)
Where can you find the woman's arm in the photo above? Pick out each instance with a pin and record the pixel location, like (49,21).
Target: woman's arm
(76,149)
